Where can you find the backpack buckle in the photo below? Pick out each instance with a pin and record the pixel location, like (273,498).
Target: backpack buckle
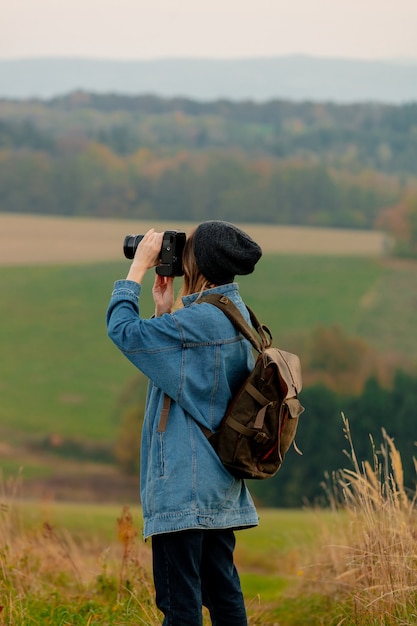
(261,437)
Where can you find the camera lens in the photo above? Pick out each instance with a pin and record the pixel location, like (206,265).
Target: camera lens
(130,244)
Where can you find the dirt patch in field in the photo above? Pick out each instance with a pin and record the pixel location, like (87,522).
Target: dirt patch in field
(67,479)
(29,239)
(92,486)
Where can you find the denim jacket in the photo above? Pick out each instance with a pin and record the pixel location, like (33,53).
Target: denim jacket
(196,357)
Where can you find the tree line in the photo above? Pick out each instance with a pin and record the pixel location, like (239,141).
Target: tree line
(147,157)
(322,440)
(373,136)
(186,186)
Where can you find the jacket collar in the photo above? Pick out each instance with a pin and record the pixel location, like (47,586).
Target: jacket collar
(227,289)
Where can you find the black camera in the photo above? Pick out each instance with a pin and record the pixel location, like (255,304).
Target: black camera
(170,256)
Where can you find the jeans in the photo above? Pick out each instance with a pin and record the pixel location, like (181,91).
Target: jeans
(193,568)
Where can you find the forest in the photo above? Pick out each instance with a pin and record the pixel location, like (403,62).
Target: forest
(349,166)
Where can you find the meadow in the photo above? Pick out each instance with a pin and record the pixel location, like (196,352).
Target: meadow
(60,373)
(81,561)
(60,376)
(352,563)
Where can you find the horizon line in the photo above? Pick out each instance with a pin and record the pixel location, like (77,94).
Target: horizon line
(267,57)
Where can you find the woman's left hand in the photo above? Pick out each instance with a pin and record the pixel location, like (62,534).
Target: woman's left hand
(163,294)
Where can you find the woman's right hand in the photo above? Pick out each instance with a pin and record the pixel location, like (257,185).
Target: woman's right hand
(146,256)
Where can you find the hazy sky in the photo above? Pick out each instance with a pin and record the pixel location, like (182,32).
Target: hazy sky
(141,29)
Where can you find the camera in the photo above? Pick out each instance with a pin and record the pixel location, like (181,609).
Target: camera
(170,256)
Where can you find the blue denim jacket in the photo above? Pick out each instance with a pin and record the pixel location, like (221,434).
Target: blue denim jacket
(195,356)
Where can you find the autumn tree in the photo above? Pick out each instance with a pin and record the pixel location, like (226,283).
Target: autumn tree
(341,362)
(401,222)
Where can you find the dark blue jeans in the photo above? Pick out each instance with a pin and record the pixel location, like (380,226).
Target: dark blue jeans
(193,568)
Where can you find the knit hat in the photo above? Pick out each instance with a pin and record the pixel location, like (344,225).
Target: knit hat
(223,250)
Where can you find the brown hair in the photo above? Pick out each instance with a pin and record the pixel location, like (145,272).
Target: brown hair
(193,279)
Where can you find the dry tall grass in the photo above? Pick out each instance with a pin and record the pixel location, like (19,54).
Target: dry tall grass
(48,578)
(369,561)
(365,573)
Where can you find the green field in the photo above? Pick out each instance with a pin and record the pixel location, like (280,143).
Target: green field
(84,545)
(59,373)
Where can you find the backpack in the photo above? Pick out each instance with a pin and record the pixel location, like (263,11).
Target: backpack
(261,421)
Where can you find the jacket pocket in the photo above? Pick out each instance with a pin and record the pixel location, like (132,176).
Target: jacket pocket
(161,453)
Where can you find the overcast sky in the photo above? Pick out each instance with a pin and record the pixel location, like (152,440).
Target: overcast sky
(144,29)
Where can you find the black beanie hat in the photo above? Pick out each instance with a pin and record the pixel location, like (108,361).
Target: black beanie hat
(223,250)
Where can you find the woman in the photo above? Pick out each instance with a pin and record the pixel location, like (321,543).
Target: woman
(191,503)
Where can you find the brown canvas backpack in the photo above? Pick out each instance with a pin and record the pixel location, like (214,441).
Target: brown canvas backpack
(261,421)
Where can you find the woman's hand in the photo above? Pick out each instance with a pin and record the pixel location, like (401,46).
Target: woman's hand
(163,294)
(146,256)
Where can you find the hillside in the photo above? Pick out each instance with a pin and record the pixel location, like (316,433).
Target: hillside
(292,77)
(64,386)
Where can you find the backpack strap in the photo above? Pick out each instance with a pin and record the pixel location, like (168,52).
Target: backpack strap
(163,416)
(235,316)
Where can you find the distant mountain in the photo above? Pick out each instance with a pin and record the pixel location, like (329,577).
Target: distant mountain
(259,79)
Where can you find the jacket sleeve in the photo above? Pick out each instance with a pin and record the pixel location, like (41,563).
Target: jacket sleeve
(147,343)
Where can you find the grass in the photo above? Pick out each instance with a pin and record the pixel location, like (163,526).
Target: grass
(60,372)
(63,563)
(68,564)
(298,293)
(351,564)
(368,560)
(61,376)
(48,577)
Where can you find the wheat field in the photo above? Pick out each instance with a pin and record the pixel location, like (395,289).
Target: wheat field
(30,239)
